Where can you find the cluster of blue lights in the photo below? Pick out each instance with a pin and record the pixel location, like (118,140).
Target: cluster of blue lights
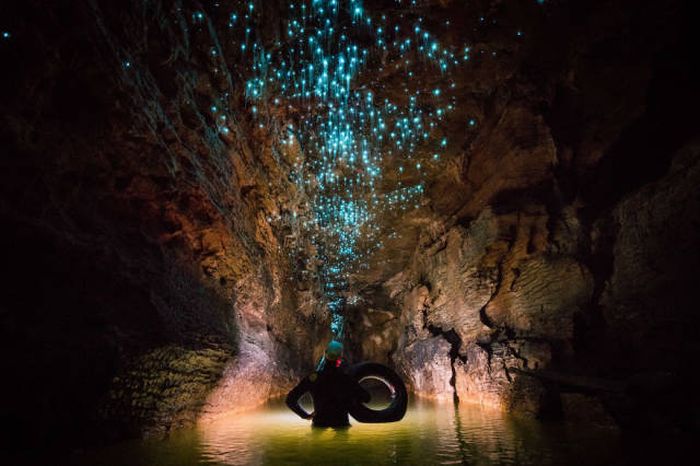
(326,71)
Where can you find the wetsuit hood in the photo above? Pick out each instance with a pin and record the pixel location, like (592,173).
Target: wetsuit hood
(334,350)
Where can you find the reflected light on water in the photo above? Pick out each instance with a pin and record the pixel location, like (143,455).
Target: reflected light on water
(430,433)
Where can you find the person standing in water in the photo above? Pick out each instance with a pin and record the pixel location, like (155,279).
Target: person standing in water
(332,390)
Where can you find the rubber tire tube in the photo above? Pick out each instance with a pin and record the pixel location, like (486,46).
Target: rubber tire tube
(396,409)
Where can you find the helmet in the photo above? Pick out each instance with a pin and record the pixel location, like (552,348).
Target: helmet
(334,350)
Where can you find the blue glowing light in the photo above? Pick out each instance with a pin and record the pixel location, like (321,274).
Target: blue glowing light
(6,35)
(325,65)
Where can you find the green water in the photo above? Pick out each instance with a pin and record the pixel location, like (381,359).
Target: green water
(429,434)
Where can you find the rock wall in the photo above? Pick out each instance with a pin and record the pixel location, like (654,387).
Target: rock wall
(484,317)
(552,269)
(147,280)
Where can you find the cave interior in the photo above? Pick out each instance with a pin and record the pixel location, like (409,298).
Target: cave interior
(496,198)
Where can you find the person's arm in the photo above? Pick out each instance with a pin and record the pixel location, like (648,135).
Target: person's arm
(294,396)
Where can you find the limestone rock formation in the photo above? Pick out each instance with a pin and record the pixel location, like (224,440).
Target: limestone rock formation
(552,262)
(148,278)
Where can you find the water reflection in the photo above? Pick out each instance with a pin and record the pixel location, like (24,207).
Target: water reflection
(429,434)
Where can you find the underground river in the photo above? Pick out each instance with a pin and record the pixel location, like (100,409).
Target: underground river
(431,433)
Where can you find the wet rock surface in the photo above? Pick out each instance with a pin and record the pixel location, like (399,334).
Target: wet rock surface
(553,240)
(145,278)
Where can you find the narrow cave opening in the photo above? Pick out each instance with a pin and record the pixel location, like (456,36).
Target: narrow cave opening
(492,205)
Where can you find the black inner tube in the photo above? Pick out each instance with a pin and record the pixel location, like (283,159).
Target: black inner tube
(399,397)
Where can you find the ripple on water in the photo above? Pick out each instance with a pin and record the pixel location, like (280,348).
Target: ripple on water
(430,433)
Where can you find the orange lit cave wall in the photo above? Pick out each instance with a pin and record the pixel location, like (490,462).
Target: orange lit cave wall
(549,273)
(145,284)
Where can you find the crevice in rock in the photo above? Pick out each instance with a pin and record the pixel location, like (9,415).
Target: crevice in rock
(516,275)
(455,344)
(483,316)
(506,372)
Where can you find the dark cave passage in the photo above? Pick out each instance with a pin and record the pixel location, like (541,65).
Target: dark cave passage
(496,199)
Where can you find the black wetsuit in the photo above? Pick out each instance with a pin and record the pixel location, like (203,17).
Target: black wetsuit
(333,392)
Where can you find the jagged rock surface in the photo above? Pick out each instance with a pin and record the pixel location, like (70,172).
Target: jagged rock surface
(146,277)
(561,236)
